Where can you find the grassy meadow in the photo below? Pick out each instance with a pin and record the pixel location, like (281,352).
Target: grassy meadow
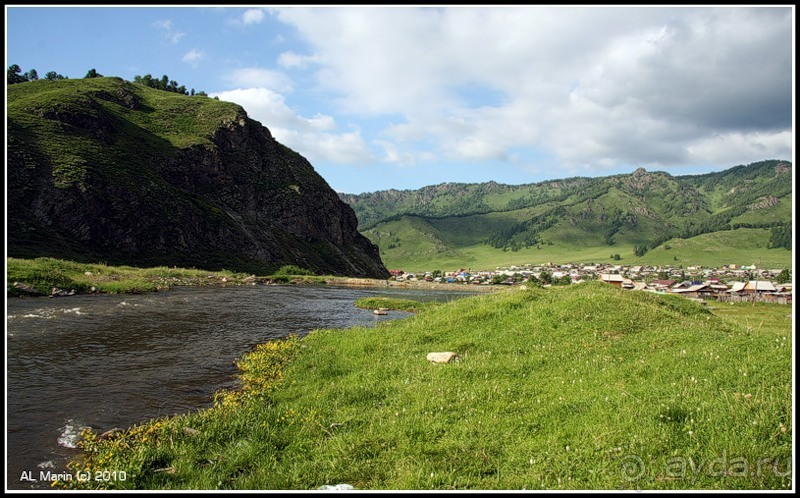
(578,387)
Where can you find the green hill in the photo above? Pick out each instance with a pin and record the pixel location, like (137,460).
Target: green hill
(581,387)
(583,219)
(102,169)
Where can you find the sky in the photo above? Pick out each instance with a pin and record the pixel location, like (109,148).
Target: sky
(402,97)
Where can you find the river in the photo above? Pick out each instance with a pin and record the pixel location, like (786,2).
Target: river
(105,361)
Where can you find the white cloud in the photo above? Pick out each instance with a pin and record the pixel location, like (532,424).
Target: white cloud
(742,148)
(394,155)
(252,77)
(341,148)
(591,86)
(170,35)
(192,56)
(293,60)
(252,16)
(474,148)
(321,122)
(266,106)
(315,138)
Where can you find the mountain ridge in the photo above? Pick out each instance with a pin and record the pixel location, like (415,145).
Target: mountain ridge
(638,211)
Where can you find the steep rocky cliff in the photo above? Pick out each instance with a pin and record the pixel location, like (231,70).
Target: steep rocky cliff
(106,170)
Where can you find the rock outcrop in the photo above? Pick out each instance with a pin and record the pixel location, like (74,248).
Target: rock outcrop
(91,178)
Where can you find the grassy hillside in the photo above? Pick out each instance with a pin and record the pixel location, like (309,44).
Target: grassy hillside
(579,219)
(67,122)
(413,239)
(743,246)
(583,387)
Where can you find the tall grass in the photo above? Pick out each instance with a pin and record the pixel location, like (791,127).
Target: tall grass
(583,387)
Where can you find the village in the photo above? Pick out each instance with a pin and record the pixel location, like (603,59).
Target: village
(729,283)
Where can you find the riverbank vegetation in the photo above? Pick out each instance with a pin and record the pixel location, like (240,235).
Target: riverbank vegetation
(40,276)
(579,387)
(50,276)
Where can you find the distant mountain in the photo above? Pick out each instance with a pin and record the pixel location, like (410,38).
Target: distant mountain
(101,169)
(581,217)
